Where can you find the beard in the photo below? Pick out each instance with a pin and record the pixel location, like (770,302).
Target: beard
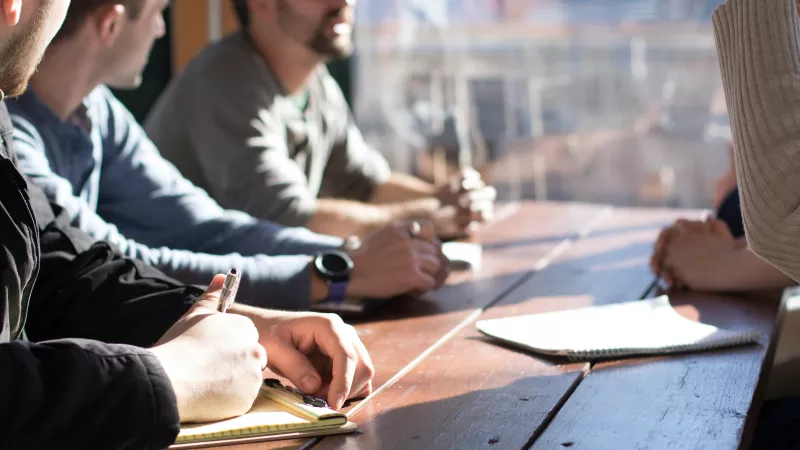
(22,53)
(337,48)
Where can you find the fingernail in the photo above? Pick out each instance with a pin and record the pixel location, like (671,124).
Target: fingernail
(340,401)
(309,383)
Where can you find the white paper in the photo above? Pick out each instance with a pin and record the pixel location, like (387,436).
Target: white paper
(633,328)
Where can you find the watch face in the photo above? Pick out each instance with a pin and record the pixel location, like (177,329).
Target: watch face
(334,265)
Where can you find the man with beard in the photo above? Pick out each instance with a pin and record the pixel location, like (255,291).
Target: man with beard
(66,298)
(258,122)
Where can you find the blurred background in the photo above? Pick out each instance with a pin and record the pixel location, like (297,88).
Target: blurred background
(609,101)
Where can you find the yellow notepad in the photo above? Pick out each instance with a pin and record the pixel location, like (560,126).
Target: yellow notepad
(276,414)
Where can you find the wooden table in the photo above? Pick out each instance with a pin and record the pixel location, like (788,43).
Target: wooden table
(440,384)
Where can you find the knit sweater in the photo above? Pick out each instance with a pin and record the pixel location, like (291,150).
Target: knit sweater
(758,42)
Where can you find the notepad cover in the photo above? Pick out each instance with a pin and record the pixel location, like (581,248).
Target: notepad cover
(645,327)
(274,415)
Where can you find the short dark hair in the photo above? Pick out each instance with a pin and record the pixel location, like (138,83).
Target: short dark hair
(80,10)
(242,13)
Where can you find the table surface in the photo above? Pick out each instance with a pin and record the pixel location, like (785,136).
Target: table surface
(441,384)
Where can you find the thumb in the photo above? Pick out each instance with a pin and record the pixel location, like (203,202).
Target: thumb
(288,361)
(210,298)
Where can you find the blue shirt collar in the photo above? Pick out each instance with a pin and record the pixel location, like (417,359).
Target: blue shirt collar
(80,118)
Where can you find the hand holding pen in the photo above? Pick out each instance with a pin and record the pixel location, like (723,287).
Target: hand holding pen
(203,351)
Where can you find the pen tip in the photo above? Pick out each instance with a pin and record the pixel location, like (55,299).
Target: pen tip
(233,271)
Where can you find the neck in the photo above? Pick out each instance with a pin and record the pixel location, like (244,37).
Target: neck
(292,66)
(64,78)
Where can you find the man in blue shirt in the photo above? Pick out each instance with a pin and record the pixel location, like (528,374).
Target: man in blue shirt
(86,150)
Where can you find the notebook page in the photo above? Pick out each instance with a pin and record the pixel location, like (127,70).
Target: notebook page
(265,417)
(641,327)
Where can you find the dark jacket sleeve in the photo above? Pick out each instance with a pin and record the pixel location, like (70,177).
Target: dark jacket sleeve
(87,289)
(98,294)
(80,394)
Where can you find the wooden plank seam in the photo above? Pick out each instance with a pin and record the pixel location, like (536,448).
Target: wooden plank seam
(540,265)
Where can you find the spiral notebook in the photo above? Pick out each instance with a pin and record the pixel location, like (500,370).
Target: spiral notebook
(278,413)
(645,327)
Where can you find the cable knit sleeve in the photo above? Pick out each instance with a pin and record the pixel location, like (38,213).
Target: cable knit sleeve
(759,52)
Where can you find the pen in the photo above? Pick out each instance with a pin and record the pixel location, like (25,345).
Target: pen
(229,288)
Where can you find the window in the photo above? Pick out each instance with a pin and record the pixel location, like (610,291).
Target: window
(614,101)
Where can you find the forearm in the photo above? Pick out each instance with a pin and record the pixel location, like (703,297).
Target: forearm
(744,271)
(401,188)
(759,52)
(346,218)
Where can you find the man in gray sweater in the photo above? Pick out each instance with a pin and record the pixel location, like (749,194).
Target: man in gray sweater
(272,135)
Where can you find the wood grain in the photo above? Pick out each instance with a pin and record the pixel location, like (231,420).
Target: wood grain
(405,329)
(402,331)
(610,264)
(694,401)
(471,393)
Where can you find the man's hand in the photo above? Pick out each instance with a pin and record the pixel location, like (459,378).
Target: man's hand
(213,360)
(466,201)
(657,259)
(697,254)
(318,353)
(392,262)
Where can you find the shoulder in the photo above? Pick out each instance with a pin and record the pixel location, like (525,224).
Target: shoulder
(28,118)
(225,66)
(329,88)
(228,79)
(28,107)
(105,109)
(101,96)
(326,92)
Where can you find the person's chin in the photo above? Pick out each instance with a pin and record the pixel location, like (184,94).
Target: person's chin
(338,50)
(344,49)
(17,86)
(16,91)
(127,84)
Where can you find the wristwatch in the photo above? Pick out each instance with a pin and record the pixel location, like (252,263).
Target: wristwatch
(334,267)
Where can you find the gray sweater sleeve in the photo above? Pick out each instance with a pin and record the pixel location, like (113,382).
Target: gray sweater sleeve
(759,51)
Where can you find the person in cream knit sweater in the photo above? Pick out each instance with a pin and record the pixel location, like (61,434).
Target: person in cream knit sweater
(758,42)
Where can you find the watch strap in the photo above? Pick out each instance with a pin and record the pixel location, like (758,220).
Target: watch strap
(337,291)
